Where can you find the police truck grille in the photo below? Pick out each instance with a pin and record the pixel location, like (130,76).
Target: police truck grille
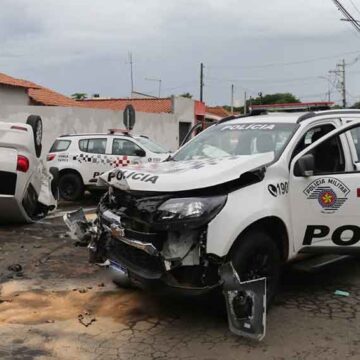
(136,260)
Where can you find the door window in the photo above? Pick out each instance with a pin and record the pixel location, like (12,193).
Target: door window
(311,136)
(125,147)
(329,157)
(94,146)
(355,135)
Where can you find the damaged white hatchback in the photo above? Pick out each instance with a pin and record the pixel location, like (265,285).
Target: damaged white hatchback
(27,189)
(235,203)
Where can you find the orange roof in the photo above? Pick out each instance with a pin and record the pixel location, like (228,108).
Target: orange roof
(48,97)
(8,80)
(217,111)
(149,105)
(38,94)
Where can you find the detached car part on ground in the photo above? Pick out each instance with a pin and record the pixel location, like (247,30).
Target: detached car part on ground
(27,189)
(231,206)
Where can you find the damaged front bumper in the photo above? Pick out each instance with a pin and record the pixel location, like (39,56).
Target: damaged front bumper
(172,262)
(147,258)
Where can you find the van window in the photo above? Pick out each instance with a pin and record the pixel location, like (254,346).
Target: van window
(94,146)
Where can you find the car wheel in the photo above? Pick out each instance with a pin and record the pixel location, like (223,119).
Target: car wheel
(258,256)
(36,123)
(71,187)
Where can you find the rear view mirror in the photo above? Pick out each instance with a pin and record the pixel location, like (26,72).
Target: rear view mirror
(140,152)
(305,166)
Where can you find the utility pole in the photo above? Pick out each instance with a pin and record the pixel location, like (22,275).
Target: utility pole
(131,72)
(343,87)
(245,105)
(340,73)
(201,82)
(232,99)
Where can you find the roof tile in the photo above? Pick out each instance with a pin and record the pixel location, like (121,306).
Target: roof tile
(149,105)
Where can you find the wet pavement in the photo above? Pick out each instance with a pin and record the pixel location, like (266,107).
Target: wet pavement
(57,306)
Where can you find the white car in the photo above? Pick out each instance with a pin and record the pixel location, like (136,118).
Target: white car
(81,158)
(26,188)
(235,203)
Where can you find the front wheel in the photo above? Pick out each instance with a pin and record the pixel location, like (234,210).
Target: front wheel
(258,256)
(71,187)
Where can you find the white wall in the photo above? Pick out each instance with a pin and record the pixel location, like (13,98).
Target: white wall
(11,95)
(163,128)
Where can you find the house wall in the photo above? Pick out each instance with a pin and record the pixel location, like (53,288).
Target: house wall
(11,95)
(163,128)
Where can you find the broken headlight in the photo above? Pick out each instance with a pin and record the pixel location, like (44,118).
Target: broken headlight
(192,211)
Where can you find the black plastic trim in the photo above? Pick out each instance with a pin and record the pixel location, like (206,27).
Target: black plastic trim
(336,250)
(7,183)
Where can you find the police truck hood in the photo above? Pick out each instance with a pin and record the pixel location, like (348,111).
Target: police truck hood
(183,175)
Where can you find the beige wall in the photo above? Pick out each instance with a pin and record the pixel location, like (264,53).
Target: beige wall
(163,128)
(11,95)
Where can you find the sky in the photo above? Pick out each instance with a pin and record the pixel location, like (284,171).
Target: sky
(259,46)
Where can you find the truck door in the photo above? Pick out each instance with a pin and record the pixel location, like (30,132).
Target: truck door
(125,152)
(324,192)
(92,158)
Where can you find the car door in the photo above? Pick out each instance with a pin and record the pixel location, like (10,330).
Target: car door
(324,190)
(125,152)
(92,159)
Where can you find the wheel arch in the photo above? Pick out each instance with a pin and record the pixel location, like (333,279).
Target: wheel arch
(70,171)
(274,227)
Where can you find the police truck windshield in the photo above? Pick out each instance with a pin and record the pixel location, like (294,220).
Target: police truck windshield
(237,139)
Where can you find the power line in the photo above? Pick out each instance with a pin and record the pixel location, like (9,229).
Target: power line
(305,61)
(355,7)
(348,16)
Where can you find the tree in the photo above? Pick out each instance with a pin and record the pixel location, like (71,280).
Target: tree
(79,96)
(356,105)
(186,95)
(277,98)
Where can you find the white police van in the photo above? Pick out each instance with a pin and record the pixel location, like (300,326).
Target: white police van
(81,158)
(232,205)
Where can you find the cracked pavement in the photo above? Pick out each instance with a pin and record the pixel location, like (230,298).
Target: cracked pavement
(40,308)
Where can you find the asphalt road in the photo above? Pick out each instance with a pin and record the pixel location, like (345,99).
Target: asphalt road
(60,307)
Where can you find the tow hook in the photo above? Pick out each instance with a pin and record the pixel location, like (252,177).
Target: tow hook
(245,303)
(81,230)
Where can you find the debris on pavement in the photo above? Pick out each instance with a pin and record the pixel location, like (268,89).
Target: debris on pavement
(5,301)
(15,267)
(86,318)
(342,293)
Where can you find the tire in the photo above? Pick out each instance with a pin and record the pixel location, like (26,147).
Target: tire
(71,187)
(258,256)
(36,123)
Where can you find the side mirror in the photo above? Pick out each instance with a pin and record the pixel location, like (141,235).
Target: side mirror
(305,166)
(140,152)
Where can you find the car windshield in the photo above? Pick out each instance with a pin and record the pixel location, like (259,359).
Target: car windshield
(228,139)
(150,145)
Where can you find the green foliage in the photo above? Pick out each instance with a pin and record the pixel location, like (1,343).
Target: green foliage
(79,96)
(186,95)
(356,105)
(278,98)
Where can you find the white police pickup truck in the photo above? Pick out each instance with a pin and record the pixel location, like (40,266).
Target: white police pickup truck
(231,206)
(81,158)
